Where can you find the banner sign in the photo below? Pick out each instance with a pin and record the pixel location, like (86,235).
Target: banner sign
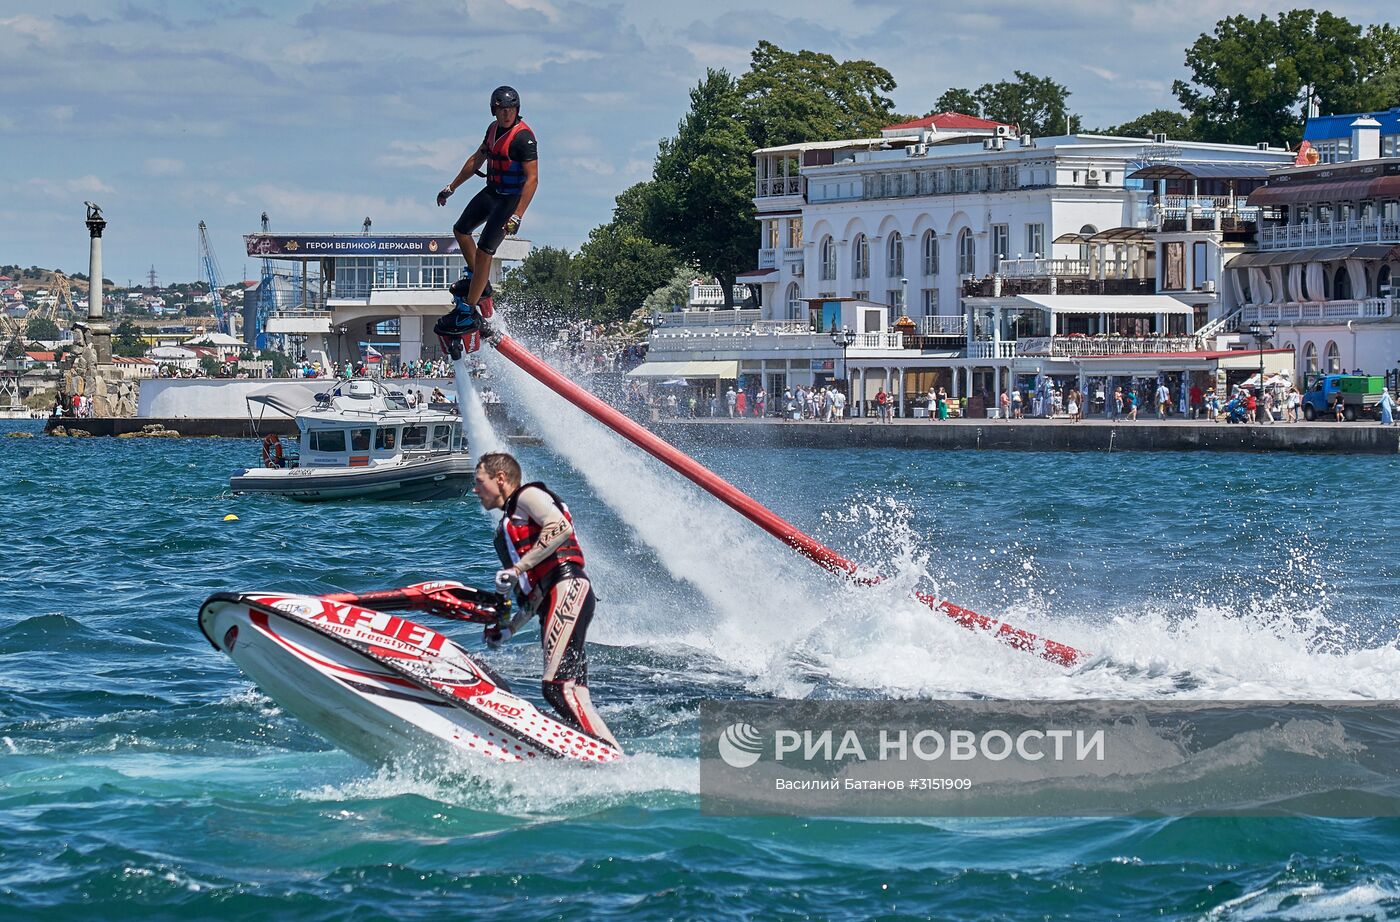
(1050,758)
(300,246)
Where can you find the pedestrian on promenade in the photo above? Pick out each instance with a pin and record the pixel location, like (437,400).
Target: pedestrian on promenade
(741,403)
(1213,406)
(731,400)
(838,403)
(1072,405)
(1196,401)
(1387,408)
(1295,403)
(760,406)
(1132,405)
(942,404)
(1339,408)
(1269,406)
(1164,401)
(882,404)
(1115,406)
(1005,403)
(1016,403)
(1251,407)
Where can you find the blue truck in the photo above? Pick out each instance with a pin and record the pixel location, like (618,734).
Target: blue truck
(1360,395)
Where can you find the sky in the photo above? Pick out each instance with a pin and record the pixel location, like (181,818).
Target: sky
(324,112)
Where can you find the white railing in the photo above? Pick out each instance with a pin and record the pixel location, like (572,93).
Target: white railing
(706,318)
(944,325)
(778,185)
(767,259)
(709,341)
(1075,346)
(1286,236)
(989,349)
(1030,267)
(1217,326)
(1301,311)
(702,295)
(792,254)
(877,341)
(1211,202)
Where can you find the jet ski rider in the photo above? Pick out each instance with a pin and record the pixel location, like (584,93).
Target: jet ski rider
(541,562)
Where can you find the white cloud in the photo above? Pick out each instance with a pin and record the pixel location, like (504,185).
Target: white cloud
(70,188)
(164,166)
(444,155)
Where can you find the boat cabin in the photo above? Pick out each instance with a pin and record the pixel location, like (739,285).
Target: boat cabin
(370,426)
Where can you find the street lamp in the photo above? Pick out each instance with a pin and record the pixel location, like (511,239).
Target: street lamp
(1261,335)
(843,338)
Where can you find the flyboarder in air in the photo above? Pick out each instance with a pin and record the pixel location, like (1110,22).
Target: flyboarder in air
(541,562)
(512,174)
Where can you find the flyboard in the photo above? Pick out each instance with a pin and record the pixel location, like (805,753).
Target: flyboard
(760,515)
(383,687)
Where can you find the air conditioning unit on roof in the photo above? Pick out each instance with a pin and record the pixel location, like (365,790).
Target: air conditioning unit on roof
(1005,131)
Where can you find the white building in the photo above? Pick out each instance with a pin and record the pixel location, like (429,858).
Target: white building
(1328,249)
(953,222)
(347,291)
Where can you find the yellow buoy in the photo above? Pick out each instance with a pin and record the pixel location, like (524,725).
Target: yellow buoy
(230,518)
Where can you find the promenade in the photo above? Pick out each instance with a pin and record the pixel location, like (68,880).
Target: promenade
(1362,437)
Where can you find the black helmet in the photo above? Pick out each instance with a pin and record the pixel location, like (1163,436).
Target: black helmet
(504,97)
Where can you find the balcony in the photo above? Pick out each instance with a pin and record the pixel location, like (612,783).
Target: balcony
(713,295)
(943,325)
(706,318)
(790,255)
(1027,267)
(1052,285)
(767,259)
(777,186)
(1318,311)
(1077,346)
(991,349)
(1331,233)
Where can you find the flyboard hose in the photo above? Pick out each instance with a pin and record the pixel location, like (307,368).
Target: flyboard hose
(760,515)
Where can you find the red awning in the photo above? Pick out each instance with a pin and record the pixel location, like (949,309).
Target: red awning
(1309,193)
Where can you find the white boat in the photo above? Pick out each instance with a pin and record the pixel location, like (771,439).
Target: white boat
(362,439)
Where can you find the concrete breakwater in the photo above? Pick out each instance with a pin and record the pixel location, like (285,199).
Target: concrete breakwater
(1038,435)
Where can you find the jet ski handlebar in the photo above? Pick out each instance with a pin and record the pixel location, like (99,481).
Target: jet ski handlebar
(444,597)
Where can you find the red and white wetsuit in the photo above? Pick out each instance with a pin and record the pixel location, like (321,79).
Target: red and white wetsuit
(536,536)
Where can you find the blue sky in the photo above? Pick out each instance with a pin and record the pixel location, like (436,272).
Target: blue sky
(322,112)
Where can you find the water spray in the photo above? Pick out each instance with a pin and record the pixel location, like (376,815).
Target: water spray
(759,514)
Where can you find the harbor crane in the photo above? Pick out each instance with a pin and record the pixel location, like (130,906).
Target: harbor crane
(222,320)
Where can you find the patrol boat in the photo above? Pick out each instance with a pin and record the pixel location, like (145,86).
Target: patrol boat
(362,439)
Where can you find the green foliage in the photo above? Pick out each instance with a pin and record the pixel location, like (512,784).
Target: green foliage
(281,363)
(636,207)
(703,186)
(1036,104)
(1250,78)
(674,293)
(209,366)
(617,268)
(41,328)
(14,348)
(789,97)
(957,100)
(127,341)
(1175,125)
(546,277)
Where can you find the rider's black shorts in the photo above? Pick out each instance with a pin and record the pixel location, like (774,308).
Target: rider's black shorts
(490,211)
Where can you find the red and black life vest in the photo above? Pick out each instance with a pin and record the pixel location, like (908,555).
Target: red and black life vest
(518,533)
(503,174)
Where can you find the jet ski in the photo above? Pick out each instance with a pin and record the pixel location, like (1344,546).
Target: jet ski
(385,688)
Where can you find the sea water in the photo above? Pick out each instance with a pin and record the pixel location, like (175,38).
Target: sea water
(141,774)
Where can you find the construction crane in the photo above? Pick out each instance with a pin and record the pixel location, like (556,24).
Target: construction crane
(267,297)
(223,323)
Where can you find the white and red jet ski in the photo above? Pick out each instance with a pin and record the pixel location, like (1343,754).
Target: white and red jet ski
(383,687)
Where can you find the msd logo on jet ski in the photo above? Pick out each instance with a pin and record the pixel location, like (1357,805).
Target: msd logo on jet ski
(384,687)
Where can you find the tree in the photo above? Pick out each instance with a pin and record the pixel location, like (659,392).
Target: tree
(1036,104)
(14,348)
(636,207)
(1250,78)
(957,100)
(789,97)
(617,268)
(127,341)
(1174,125)
(41,328)
(703,186)
(547,276)
(674,293)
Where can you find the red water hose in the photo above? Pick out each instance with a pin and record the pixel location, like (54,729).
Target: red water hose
(757,513)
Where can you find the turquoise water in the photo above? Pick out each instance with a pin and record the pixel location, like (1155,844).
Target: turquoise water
(142,775)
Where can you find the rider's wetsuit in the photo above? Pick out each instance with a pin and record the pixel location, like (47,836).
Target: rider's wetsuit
(536,536)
